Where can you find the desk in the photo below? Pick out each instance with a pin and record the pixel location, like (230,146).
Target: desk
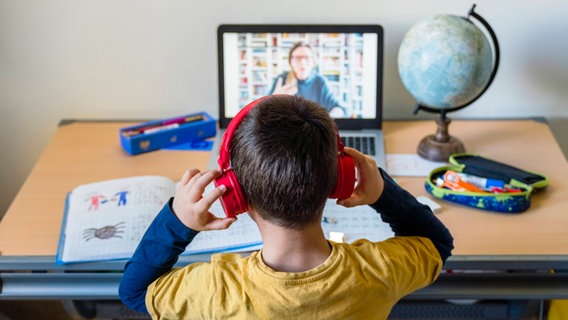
(511,254)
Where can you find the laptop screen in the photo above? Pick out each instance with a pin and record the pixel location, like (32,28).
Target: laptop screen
(338,66)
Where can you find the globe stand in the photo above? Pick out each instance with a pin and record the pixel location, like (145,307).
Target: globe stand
(439,146)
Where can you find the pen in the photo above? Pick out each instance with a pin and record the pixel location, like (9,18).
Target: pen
(160,128)
(168,124)
(184,120)
(136,131)
(481,182)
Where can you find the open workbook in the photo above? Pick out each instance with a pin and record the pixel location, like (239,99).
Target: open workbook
(106,220)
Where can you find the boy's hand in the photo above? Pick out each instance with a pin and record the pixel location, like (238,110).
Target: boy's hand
(192,208)
(370,183)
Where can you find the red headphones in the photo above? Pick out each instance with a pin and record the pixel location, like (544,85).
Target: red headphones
(234,201)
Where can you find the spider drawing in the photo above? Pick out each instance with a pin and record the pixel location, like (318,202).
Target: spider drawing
(105,232)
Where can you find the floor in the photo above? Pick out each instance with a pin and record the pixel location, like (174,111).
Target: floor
(33,310)
(66,310)
(56,310)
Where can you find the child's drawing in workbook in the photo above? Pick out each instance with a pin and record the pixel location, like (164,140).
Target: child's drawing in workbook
(106,220)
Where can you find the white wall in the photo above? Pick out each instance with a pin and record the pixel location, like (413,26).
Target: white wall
(142,59)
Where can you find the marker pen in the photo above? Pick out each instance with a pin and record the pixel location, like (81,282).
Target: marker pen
(481,182)
(160,128)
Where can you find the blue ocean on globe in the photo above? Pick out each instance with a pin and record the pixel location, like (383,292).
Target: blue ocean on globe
(445,61)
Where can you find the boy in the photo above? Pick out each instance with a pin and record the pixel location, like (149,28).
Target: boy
(284,154)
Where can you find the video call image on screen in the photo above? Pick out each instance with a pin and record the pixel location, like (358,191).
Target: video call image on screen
(337,70)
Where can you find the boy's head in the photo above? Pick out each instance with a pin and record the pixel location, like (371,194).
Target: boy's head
(284,155)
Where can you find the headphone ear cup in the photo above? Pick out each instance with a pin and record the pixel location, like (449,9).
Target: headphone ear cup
(233,200)
(345,178)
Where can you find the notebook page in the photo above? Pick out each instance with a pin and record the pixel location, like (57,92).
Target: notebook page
(107,219)
(361,222)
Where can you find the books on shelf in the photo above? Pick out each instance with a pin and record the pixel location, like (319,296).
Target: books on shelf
(106,220)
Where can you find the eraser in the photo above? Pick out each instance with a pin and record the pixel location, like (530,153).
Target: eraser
(336,236)
(436,208)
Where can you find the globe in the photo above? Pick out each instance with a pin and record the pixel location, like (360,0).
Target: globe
(445,61)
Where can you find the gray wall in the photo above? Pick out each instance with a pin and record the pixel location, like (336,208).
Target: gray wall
(142,59)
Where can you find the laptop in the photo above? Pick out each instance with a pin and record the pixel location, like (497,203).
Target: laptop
(348,57)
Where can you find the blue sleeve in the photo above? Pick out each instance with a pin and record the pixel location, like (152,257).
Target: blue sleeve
(156,254)
(408,217)
(327,98)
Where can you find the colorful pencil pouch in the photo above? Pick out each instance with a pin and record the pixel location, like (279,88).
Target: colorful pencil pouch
(478,182)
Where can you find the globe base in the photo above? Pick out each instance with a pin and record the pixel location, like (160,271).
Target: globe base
(439,146)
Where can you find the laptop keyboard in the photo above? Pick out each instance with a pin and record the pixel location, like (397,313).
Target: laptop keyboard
(365,144)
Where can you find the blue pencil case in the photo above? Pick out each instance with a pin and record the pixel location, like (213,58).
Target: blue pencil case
(486,184)
(155,135)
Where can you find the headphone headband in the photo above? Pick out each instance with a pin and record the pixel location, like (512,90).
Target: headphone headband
(224,153)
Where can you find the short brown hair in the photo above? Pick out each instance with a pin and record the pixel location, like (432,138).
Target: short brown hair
(284,154)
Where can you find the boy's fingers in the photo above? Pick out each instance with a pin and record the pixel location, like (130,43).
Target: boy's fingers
(212,196)
(194,178)
(221,223)
(343,202)
(348,203)
(354,153)
(207,177)
(200,181)
(187,175)
(185,183)
(359,157)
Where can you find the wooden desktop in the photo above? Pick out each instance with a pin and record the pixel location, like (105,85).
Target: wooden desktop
(529,244)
